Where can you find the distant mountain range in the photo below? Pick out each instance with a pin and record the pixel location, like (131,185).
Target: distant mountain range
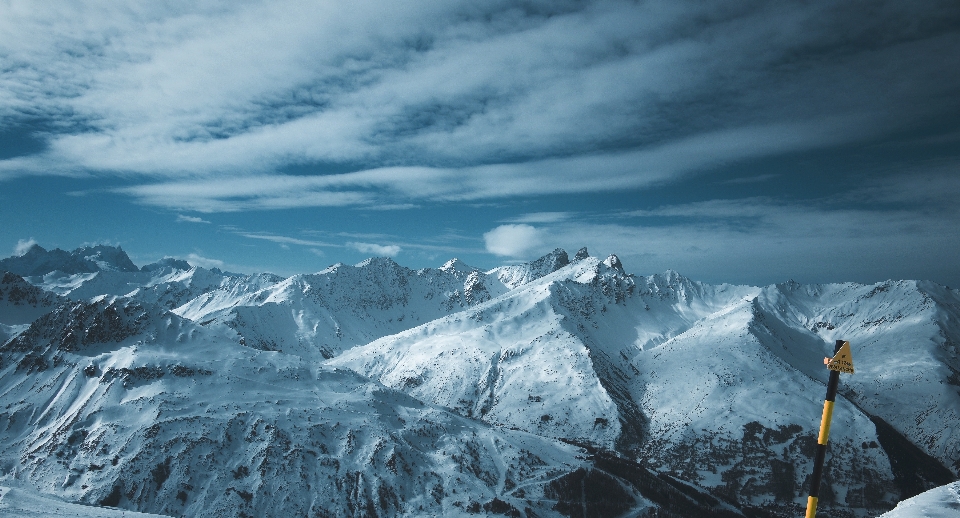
(560,387)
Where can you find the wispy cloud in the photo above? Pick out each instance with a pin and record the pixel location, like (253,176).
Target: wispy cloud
(190,219)
(743,240)
(283,240)
(620,170)
(23,246)
(380,250)
(454,100)
(752,179)
(204,262)
(542,217)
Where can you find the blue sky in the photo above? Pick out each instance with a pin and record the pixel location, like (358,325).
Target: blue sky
(742,142)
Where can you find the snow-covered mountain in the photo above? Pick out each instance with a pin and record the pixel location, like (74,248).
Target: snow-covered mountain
(38,261)
(125,404)
(21,303)
(549,388)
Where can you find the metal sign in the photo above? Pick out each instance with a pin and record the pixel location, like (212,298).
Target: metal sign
(842,361)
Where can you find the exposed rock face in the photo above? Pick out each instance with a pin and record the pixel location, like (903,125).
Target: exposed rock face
(17,296)
(76,326)
(39,261)
(166,262)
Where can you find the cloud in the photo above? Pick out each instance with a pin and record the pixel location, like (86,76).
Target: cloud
(542,217)
(23,246)
(767,240)
(454,99)
(204,262)
(513,240)
(190,219)
(379,250)
(282,240)
(591,173)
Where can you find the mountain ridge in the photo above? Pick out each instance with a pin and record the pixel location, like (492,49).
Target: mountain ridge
(688,384)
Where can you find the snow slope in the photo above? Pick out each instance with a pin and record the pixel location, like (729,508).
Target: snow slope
(342,306)
(940,502)
(19,503)
(118,403)
(721,386)
(558,385)
(20,304)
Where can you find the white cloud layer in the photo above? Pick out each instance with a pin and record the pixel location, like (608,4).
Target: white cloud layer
(206,103)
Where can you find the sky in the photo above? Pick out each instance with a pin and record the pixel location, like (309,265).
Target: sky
(746,142)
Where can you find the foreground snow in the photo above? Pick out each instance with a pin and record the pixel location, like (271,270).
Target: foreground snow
(23,503)
(940,502)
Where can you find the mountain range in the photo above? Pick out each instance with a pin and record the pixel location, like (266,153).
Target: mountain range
(560,387)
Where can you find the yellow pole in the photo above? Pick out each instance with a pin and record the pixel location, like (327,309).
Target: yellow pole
(822,439)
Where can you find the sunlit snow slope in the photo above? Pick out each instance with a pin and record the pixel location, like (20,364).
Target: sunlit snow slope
(555,387)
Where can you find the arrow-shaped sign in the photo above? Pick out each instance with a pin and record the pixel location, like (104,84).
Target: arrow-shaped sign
(842,361)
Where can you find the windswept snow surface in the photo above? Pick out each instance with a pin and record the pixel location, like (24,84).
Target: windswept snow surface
(548,388)
(119,403)
(21,503)
(940,502)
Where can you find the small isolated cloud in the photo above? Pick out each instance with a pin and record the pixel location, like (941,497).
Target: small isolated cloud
(380,250)
(513,240)
(23,246)
(190,219)
(204,262)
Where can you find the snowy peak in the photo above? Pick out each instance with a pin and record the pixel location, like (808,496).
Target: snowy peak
(614,262)
(166,262)
(518,275)
(456,266)
(106,258)
(461,381)
(550,262)
(88,259)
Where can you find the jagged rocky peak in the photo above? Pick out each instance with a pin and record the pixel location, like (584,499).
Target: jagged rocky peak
(16,290)
(382,262)
(38,261)
(166,262)
(613,262)
(581,254)
(516,275)
(474,291)
(22,302)
(551,262)
(73,326)
(106,257)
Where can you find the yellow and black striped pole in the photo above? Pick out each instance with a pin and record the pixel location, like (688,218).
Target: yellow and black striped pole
(836,365)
